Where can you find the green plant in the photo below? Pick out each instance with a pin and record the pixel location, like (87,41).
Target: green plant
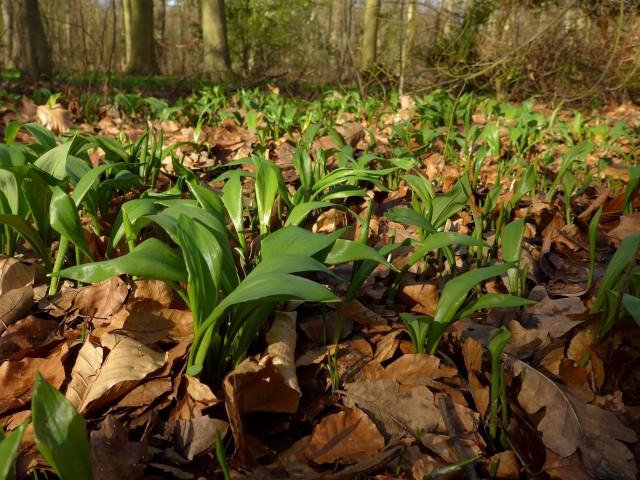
(498,394)
(593,236)
(615,283)
(9,446)
(60,432)
(511,239)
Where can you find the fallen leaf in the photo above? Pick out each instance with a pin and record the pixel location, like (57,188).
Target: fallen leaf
(472,353)
(95,383)
(17,377)
(114,456)
(553,315)
(196,436)
(102,299)
(417,369)
(14,274)
(570,424)
(14,305)
(400,411)
(26,334)
(154,290)
(421,297)
(193,398)
(508,465)
(55,118)
(355,311)
(629,224)
(346,437)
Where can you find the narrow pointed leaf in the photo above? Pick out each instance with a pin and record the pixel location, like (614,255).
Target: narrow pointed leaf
(152,259)
(60,431)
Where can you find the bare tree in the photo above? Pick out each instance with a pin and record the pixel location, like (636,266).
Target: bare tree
(35,52)
(143,58)
(370,34)
(216,61)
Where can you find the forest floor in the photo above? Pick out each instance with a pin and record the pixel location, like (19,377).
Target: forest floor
(479,260)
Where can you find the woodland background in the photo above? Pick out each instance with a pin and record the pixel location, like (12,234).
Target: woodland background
(563,49)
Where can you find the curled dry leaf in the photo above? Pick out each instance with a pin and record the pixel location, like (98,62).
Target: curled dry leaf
(96,382)
(14,274)
(14,305)
(346,437)
(196,436)
(629,224)
(570,424)
(193,397)
(421,297)
(268,385)
(17,377)
(472,352)
(55,118)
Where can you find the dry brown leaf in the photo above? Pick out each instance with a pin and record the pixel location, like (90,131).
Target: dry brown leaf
(400,410)
(387,346)
(445,448)
(472,352)
(196,436)
(193,397)
(552,315)
(17,377)
(629,224)
(26,334)
(421,297)
(154,290)
(565,468)
(127,361)
(55,118)
(102,299)
(146,393)
(114,456)
(14,305)
(14,274)
(149,323)
(417,369)
(569,424)
(281,340)
(508,466)
(346,437)
(356,312)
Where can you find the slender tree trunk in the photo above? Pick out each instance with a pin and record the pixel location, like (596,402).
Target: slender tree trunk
(370,34)
(8,59)
(126,23)
(35,55)
(143,59)
(162,15)
(337,35)
(407,43)
(216,62)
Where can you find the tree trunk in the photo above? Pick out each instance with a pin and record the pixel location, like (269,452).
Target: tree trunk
(337,35)
(407,43)
(161,24)
(35,52)
(8,57)
(143,59)
(216,62)
(126,23)
(370,34)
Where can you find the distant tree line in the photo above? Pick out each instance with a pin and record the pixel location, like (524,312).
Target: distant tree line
(512,47)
